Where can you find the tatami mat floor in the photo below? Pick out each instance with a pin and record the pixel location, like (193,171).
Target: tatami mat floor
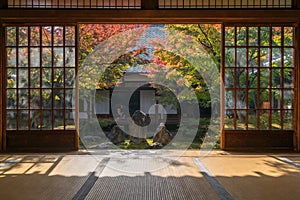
(116,176)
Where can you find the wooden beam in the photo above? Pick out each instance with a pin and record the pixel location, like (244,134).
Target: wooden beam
(3,4)
(148,16)
(149,4)
(258,140)
(41,140)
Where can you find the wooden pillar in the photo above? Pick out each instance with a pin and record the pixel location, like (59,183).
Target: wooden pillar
(297,89)
(149,4)
(296,4)
(222,90)
(1,86)
(77,138)
(3,4)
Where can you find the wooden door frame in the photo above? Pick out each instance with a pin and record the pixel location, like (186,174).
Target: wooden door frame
(52,16)
(28,140)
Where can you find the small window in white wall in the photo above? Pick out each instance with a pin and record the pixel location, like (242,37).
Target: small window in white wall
(102,102)
(147,99)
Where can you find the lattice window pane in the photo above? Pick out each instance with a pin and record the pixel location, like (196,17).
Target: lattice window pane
(102,4)
(259,70)
(225,4)
(40,65)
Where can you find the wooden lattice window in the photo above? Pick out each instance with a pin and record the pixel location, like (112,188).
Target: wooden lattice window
(40,73)
(102,4)
(225,3)
(258,76)
(162,4)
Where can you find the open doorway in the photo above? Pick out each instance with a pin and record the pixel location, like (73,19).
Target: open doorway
(142,64)
(150,65)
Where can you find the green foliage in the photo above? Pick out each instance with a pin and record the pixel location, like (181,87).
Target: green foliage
(106,124)
(179,71)
(88,127)
(112,74)
(130,145)
(207,35)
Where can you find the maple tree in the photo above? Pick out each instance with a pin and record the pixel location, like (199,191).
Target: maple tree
(105,52)
(179,70)
(92,35)
(95,35)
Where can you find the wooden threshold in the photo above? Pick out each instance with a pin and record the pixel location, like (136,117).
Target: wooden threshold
(149,16)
